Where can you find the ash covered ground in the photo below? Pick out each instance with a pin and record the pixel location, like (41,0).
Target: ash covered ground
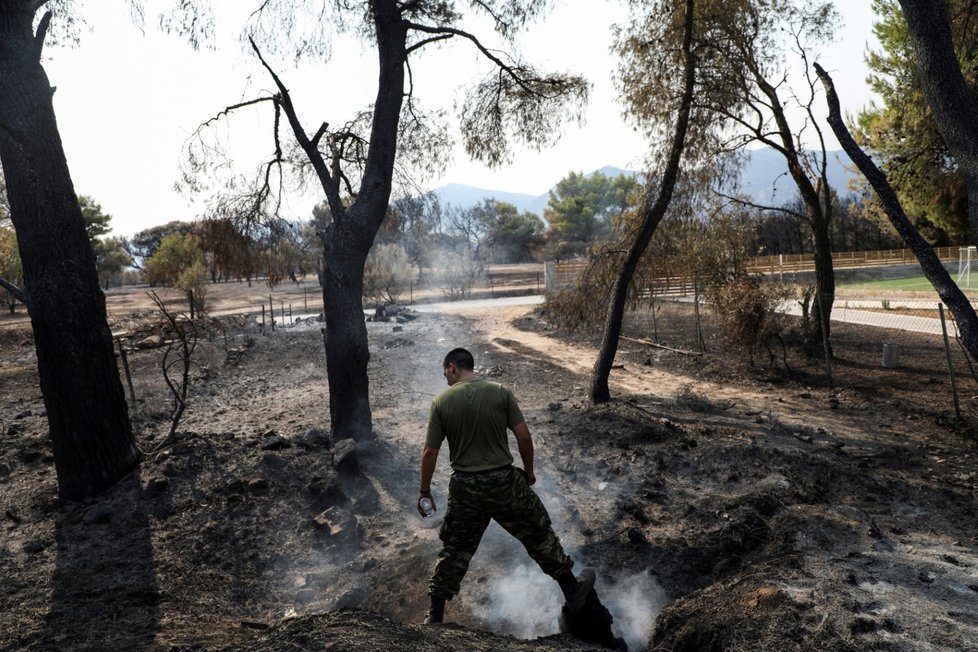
(725,506)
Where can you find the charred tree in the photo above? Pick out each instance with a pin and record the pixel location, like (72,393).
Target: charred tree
(951,100)
(653,212)
(946,288)
(355,164)
(83,394)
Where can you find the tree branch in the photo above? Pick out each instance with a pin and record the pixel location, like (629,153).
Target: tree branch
(503,66)
(18,293)
(934,270)
(329,184)
(42,31)
(424,42)
(762,207)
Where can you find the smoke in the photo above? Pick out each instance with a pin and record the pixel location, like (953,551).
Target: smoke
(526,603)
(634,601)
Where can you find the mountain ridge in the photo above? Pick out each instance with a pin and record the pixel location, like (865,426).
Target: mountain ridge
(764,179)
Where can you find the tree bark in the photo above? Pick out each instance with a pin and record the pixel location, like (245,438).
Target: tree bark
(87,414)
(351,234)
(653,214)
(946,288)
(952,102)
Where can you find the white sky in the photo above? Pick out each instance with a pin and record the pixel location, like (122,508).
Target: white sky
(126,103)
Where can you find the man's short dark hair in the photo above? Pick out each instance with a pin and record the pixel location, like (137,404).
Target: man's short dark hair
(461,358)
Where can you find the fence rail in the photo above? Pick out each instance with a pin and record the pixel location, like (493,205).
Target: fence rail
(563,273)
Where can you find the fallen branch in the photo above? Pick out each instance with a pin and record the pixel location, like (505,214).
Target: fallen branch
(659,346)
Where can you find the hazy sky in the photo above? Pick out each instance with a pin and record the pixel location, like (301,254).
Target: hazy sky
(128,101)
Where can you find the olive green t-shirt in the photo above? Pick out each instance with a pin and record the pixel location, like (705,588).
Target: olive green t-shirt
(474,414)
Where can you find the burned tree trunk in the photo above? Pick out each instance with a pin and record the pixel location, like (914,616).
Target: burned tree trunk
(347,349)
(946,288)
(87,414)
(653,214)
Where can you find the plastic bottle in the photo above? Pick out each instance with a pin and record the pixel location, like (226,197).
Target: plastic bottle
(427,506)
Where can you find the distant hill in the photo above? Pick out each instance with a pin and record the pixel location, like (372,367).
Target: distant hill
(764,178)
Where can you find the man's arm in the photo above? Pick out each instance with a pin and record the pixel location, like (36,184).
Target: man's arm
(429,459)
(525,445)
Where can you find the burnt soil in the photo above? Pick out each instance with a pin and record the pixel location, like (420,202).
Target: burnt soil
(725,505)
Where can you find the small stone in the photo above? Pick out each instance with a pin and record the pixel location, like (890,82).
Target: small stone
(637,536)
(397,329)
(274,461)
(33,547)
(258,486)
(161,457)
(156,486)
(553,407)
(313,438)
(276,443)
(97,513)
(151,342)
(23,415)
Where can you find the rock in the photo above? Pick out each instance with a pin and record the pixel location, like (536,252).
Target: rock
(156,486)
(637,536)
(30,455)
(553,407)
(275,443)
(33,547)
(97,513)
(161,457)
(352,599)
(274,461)
(258,486)
(305,596)
(4,469)
(345,458)
(397,329)
(23,415)
(151,342)
(313,438)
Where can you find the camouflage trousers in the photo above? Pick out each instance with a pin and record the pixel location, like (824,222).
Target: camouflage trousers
(502,495)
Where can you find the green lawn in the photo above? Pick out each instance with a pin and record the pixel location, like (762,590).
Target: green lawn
(913,283)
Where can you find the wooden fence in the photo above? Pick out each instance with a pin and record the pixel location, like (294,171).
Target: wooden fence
(562,274)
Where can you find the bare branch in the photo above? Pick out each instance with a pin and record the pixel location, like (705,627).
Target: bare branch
(42,30)
(746,202)
(18,293)
(424,42)
(509,69)
(328,182)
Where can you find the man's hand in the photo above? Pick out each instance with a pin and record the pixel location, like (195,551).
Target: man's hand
(421,511)
(531,478)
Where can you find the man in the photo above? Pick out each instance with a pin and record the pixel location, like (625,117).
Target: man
(473,414)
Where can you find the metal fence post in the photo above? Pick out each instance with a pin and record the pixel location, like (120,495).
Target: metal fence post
(950,366)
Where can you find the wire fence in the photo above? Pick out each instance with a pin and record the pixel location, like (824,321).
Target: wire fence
(881,348)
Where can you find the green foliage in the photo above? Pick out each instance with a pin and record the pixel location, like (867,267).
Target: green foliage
(142,246)
(179,262)
(581,208)
(96,222)
(110,259)
(10,266)
(512,236)
(902,131)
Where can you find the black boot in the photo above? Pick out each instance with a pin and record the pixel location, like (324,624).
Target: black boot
(436,612)
(576,589)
